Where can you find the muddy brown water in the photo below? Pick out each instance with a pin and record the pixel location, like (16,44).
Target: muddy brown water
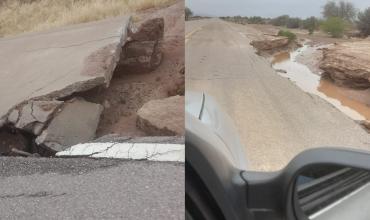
(353,103)
(280,57)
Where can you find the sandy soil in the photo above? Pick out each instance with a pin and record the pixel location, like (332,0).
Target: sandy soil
(129,91)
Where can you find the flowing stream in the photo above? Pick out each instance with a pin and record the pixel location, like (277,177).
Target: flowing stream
(354,103)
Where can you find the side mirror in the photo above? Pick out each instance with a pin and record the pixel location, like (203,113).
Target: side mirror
(328,192)
(318,184)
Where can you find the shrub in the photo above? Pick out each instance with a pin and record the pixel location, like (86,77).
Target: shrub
(285,33)
(364,22)
(334,26)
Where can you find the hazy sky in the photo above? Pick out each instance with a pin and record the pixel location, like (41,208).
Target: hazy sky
(264,8)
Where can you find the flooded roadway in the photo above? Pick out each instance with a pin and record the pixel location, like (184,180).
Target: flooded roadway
(353,103)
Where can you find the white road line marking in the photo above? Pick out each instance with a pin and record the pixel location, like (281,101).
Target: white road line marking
(134,151)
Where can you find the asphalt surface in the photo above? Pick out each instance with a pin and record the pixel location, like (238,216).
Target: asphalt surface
(59,61)
(46,188)
(276,120)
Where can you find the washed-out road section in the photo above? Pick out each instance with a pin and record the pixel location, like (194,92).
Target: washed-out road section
(59,62)
(276,120)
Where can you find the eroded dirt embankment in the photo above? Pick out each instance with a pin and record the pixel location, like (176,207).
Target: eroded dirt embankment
(144,63)
(130,88)
(336,70)
(348,64)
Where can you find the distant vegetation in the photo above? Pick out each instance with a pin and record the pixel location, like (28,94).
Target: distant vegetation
(342,9)
(334,26)
(247,20)
(17,16)
(285,33)
(364,22)
(188,13)
(339,18)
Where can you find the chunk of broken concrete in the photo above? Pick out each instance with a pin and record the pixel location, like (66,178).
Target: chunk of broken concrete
(270,43)
(13,116)
(162,117)
(143,51)
(75,123)
(150,30)
(33,115)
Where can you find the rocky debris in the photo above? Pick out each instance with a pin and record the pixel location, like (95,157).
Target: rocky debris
(270,43)
(11,140)
(76,123)
(34,115)
(162,117)
(348,64)
(142,52)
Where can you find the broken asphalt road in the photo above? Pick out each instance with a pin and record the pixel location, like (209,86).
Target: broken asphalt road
(47,188)
(275,119)
(59,62)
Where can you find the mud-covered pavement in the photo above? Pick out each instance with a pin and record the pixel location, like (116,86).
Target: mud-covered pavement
(275,119)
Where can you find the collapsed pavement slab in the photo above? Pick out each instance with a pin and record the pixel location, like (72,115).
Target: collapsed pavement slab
(143,52)
(58,62)
(163,116)
(76,123)
(33,116)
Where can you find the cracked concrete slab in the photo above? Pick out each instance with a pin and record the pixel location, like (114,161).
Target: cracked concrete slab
(33,115)
(133,151)
(58,62)
(75,123)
